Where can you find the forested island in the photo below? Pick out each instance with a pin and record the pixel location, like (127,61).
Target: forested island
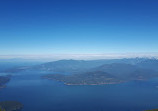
(105,74)
(88,78)
(10,106)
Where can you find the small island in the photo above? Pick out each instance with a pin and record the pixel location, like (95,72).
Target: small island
(10,106)
(3,81)
(88,78)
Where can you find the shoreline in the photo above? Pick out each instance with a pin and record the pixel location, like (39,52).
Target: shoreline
(93,84)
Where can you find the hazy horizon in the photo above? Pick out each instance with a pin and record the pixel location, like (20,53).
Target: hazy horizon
(53,57)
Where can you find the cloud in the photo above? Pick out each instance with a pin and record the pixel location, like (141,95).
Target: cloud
(81,56)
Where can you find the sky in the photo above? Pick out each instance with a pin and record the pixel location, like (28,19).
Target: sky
(46,27)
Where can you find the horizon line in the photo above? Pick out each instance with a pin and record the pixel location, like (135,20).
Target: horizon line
(80,56)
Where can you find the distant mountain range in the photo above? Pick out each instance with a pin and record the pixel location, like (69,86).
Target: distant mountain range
(97,71)
(149,64)
(80,65)
(127,71)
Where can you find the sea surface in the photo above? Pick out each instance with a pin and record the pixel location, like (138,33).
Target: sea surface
(39,94)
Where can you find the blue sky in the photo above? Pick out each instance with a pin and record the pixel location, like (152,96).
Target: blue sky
(42,27)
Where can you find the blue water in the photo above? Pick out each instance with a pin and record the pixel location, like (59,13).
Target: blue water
(46,95)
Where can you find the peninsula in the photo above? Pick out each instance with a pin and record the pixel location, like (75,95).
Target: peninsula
(3,81)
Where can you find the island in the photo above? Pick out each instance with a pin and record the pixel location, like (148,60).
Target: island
(105,74)
(88,78)
(10,106)
(3,81)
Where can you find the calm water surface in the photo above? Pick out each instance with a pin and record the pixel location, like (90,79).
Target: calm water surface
(46,95)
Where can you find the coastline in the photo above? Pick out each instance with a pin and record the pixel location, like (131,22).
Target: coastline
(71,84)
